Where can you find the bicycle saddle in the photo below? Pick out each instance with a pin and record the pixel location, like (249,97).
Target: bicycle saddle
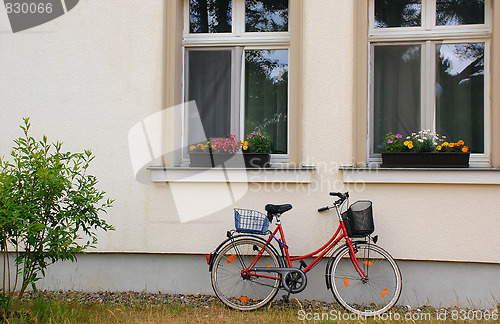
(278,209)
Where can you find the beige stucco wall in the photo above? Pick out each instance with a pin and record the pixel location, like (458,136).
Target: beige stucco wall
(88,77)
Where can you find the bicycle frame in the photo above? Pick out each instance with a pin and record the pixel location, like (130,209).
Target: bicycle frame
(340,233)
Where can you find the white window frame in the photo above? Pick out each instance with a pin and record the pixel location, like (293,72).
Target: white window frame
(237,41)
(428,36)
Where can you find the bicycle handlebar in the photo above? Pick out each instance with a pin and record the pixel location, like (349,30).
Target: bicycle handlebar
(342,196)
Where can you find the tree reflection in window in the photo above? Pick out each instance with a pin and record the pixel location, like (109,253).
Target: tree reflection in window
(459,12)
(266,99)
(398,13)
(460,93)
(210,16)
(266,15)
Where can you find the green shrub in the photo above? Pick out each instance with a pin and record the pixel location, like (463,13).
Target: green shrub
(49,210)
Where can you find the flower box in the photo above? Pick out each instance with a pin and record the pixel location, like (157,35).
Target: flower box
(425,160)
(209,160)
(200,159)
(257,160)
(229,160)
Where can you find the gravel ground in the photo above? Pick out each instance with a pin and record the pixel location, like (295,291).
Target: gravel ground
(131,298)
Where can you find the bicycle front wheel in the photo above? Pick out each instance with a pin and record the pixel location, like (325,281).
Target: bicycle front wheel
(244,292)
(371,296)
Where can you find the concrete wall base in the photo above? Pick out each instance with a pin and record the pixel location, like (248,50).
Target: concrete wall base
(438,284)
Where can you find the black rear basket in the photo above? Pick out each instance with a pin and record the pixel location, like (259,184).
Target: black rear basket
(358,219)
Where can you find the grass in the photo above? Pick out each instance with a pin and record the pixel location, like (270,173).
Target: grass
(43,309)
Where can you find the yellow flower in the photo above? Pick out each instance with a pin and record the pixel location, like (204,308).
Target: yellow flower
(245,147)
(445,144)
(460,142)
(465,149)
(192,148)
(438,148)
(410,146)
(451,144)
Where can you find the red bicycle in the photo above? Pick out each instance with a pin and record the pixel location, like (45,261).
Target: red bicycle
(247,271)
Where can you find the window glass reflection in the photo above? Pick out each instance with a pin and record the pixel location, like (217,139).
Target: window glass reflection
(460,93)
(266,100)
(398,13)
(210,16)
(266,15)
(459,12)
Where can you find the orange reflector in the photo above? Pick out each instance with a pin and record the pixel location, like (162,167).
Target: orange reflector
(346,282)
(231,259)
(268,266)
(384,292)
(368,263)
(243,299)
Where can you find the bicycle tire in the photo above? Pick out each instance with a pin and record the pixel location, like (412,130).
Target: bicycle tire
(370,297)
(231,287)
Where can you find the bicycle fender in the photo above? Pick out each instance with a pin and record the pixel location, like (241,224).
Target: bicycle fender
(214,254)
(329,265)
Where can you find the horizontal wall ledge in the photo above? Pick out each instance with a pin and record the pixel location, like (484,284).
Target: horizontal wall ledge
(421,175)
(268,175)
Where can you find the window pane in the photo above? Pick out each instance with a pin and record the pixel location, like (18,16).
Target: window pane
(266,15)
(210,16)
(460,93)
(266,100)
(396,91)
(209,84)
(398,13)
(459,12)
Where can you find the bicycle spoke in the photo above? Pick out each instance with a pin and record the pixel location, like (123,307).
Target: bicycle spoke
(373,295)
(244,292)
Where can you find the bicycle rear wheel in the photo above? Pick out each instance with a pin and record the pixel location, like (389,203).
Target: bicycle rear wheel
(367,297)
(244,292)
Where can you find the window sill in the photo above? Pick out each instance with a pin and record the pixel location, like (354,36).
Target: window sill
(421,175)
(269,175)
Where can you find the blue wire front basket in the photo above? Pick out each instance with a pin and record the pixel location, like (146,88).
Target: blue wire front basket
(250,221)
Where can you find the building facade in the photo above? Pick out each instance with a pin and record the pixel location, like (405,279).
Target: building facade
(140,82)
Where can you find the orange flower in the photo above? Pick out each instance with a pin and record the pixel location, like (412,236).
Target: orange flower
(451,144)
(460,142)
(465,149)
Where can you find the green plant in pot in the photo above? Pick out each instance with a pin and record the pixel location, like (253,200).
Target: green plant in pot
(257,149)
